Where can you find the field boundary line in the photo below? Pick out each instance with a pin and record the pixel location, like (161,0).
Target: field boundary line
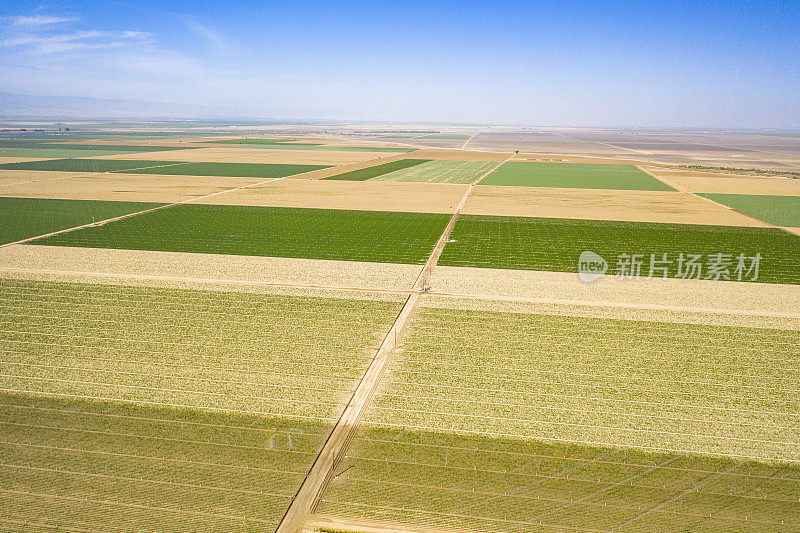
(464,146)
(150,458)
(563,458)
(164,206)
(684,190)
(189,279)
(639,447)
(580,501)
(159,404)
(310,492)
(154,437)
(598,303)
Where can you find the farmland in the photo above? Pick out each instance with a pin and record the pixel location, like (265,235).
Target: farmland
(240,170)
(440,172)
(573,175)
(778,210)
(83,165)
(282,346)
(21,218)
(549,422)
(134,166)
(555,244)
(288,144)
(270,231)
(377,170)
(202,404)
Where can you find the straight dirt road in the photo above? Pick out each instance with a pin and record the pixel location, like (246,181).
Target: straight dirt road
(307,497)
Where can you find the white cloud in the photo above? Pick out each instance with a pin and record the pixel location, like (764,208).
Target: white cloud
(78,40)
(41,20)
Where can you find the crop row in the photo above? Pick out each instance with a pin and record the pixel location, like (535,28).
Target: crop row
(388,237)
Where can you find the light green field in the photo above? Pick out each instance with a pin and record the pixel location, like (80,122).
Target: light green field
(573,175)
(499,422)
(201,406)
(778,210)
(440,172)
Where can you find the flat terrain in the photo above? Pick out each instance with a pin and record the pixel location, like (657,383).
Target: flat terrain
(596,204)
(220,154)
(201,405)
(21,218)
(274,144)
(556,244)
(114,186)
(372,236)
(705,182)
(377,170)
(240,170)
(340,194)
(231,272)
(279,342)
(252,170)
(778,210)
(535,291)
(573,175)
(520,434)
(84,165)
(440,172)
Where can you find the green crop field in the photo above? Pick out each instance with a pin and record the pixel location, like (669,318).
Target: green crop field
(133,166)
(778,210)
(239,170)
(381,236)
(625,177)
(84,165)
(10,148)
(200,405)
(440,172)
(555,244)
(377,170)
(553,423)
(21,218)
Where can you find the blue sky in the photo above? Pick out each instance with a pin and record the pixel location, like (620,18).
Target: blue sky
(694,64)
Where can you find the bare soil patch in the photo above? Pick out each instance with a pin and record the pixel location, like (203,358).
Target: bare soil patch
(237,154)
(731,183)
(725,302)
(357,195)
(596,204)
(457,155)
(197,269)
(120,187)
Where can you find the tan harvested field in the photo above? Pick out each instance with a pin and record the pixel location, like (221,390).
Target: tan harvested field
(121,187)
(796,231)
(731,184)
(560,158)
(357,195)
(15,177)
(457,155)
(236,154)
(19,159)
(596,204)
(193,270)
(742,303)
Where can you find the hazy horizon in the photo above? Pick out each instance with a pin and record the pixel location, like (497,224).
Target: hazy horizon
(719,65)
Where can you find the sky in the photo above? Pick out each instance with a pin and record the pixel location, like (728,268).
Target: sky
(712,64)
